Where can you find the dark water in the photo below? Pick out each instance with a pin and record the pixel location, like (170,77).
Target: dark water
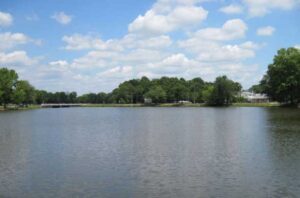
(150,152)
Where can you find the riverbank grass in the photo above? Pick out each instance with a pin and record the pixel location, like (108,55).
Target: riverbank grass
(15,107)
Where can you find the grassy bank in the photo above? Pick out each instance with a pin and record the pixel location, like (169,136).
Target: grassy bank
(182,105)
(14,107)
(273,104)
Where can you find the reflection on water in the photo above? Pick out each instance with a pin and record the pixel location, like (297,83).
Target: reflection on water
(150,152)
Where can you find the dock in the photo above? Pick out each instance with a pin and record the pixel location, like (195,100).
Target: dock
(62,105)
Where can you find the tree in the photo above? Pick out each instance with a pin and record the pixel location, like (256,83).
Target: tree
(207,91)
(282,80)
(23,93)
(41,96)
(157,94)
(224,91)
(195,88)
(25,89)
(101,97)
(256,88)
(72,97)
(8,80)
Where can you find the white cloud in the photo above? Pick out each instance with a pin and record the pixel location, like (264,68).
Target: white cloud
(10,40)
(59,63)
(156,42)
(84,42)
(262,7)
(16,58)
(208,44)
(5,19)
(172,65)
(212,52)
(117,72)
(232,9)
(265,31)
(161,20)
(297,46)
(229,53)
(231,30)
(62,18)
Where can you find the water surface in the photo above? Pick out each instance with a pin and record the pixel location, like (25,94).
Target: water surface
(150,152)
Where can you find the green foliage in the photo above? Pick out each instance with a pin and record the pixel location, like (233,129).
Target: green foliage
(224,91)
(257,89)
(282,80)
(156,94)
(162,90)
(23,93)
(8,80)
(196,86)
(207,91)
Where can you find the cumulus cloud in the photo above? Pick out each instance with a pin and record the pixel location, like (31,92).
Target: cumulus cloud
(210,45)
(231,30)
(16,58)
(258,8)
(122,72)
(5,19)
(10,40)
(265,31)
(84,42)
(232,9)
(167,16)
(62,18)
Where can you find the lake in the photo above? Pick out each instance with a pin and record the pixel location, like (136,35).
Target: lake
(150,152)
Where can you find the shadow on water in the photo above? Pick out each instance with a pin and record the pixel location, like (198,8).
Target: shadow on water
(284,146)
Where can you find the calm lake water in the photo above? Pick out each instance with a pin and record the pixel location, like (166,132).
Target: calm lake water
(150,152)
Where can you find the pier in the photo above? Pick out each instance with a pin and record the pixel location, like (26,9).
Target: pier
(62,105)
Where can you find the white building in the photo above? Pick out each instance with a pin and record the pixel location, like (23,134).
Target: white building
(255,97)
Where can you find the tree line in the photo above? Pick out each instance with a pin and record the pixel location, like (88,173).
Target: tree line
(163,90)
(280,83)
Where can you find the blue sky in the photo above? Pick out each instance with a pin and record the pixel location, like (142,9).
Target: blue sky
(92,46)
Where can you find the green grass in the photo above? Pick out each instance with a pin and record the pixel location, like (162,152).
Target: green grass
(271,104)
(13,107)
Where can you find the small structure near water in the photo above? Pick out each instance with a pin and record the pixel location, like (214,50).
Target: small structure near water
(62,105)
(255,97)
(147,100)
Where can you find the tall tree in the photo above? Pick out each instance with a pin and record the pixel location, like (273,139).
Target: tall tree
(24,93)
(282,80)
(8,80)
(224,91)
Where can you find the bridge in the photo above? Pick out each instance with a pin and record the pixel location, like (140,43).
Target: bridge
(62,105)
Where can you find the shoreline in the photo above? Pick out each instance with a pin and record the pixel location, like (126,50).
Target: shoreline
(31,107)
(184,105)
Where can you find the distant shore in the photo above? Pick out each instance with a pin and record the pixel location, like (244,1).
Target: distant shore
(273,104)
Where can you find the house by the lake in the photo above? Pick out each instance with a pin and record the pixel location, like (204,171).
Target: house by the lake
(255,97)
